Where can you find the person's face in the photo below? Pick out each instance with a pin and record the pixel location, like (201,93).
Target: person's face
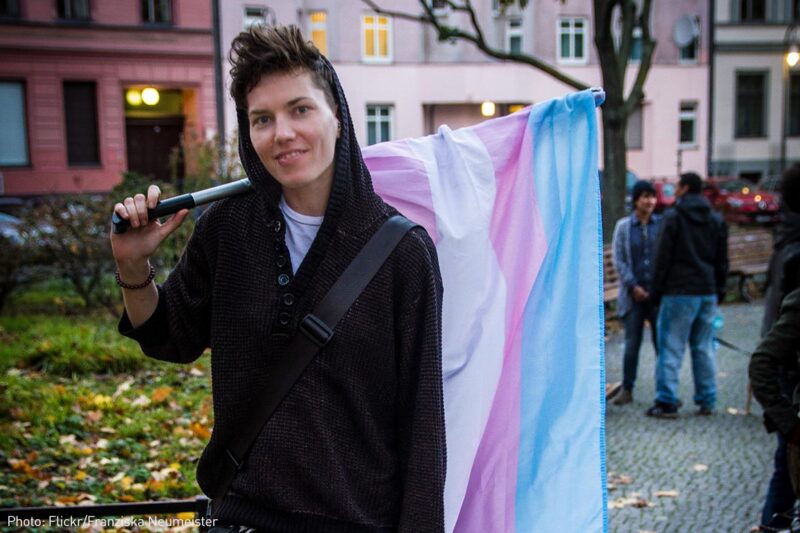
(293,130)
(646,203)
(681,189)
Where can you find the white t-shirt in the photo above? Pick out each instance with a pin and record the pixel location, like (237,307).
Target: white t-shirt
(300,233)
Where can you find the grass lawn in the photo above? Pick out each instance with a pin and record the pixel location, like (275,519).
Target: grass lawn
(85,417)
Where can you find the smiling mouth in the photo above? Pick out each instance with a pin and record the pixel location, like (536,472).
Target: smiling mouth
(287,157)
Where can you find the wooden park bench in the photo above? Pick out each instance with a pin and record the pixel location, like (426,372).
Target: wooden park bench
(610,278)
(749,250)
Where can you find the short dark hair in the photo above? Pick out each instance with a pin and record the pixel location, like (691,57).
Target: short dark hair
(693,181)
(790,187)
(264,50)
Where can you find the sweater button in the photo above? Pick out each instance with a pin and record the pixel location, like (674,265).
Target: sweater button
(283,280)
(284,319)
(280,261)
(276,227)
(288,299)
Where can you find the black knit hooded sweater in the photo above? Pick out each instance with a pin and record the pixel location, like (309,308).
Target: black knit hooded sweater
(358,444)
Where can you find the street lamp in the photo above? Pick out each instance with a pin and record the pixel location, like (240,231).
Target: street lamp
(791,43)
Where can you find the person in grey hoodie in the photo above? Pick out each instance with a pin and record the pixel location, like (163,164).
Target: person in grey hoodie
(688,281)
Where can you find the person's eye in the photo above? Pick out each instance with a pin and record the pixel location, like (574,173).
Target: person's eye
(302,110)
(261,120)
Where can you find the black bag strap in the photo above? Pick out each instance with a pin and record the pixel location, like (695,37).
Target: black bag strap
(314,332)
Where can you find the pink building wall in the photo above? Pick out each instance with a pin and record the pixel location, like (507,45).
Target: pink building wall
(425,73)
(114,50)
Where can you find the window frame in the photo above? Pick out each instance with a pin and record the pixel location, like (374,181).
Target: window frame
(572,59)
(764,101)
(639,111)
(68,8)
(151,4)
(98,152)
(246,17)
(687,114)
(745,17)
(25,120)
(318,26)
(514,32)
(376,59)
(794,85)
(378,119)
(13,14)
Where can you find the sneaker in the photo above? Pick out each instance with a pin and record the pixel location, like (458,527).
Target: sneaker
(663,410)
(705,410)
(623,397)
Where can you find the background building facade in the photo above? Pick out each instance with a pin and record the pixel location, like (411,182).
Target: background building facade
(402,82)
(72,73)
(756,94)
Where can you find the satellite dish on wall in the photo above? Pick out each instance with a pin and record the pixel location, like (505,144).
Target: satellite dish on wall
(686,30)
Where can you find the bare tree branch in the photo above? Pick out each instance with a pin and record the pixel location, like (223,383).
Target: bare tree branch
(445,32)
(648,47)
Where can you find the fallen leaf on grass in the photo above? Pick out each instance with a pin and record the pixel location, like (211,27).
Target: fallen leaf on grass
(196,372)
(666,494)
(123,387)
(620,479)
(141,401)
(161,394)
(200,431)
(734,411)
(700,467)
(93,416)
(80,476)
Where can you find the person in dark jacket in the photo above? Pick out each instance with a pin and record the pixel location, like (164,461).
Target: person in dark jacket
(775,362)
(358,444)
(688,281)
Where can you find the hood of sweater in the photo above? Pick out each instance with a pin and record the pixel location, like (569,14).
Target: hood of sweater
(353,207)
(695,208)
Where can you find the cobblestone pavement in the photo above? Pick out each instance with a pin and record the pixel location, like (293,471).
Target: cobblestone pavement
(719,466)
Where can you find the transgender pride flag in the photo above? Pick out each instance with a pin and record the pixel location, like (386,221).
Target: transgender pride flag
(513,205)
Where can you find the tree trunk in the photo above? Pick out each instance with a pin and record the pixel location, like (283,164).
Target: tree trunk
(614,173)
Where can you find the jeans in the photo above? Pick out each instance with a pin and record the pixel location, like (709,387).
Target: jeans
(634,328)
(682,319)
(780,495)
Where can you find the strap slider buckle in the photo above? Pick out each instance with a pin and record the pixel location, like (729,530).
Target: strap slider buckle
(316,330)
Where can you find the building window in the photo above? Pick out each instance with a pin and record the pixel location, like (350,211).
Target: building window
(514,36)
(794,104)
(751,93)
(376,41)
(752,10)
(253,15)
(157,11)
(379,123)
(318,28)
(73,9)
(690,53)
(688,124)
(9,8)
(80,112)
(13,129)
(634,133)
(572,40)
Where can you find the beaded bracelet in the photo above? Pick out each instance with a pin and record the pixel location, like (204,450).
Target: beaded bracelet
(141,285)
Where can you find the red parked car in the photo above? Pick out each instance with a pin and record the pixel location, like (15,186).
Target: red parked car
(665,193)
(740,201)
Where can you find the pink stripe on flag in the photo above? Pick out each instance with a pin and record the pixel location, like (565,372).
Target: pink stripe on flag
(401,179)
(491,493)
